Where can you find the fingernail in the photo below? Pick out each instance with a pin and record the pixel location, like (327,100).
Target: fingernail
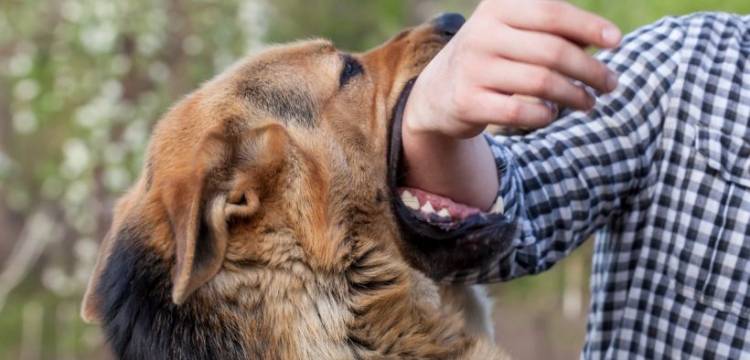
(612,81)
(611,35)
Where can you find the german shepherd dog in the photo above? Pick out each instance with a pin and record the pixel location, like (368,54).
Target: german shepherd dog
(263,225)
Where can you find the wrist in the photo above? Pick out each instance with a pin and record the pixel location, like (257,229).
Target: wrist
(462,170)
(413,121)
(444,156)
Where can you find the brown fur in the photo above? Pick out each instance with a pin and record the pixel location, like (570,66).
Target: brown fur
(265,209)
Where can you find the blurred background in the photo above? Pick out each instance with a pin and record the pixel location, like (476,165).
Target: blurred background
(83,81)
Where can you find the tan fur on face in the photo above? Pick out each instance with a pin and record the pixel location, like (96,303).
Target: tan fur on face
(265,195)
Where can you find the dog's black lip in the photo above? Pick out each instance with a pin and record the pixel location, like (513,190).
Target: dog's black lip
(394,137)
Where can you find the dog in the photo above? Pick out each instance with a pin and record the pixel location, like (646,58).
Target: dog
(262,224)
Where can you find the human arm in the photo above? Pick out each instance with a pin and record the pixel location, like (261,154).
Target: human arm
(506,48)
(568,180)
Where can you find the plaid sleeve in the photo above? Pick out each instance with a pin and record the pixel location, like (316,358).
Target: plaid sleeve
(562,183)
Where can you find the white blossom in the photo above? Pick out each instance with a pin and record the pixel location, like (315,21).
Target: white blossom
(98,38)
(158,72)
(26,89)
(20,64)
(25,122)
(116,178)
(71,10)
(77,157)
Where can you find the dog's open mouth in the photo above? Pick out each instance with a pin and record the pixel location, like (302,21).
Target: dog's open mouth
(432,207)
(442,236)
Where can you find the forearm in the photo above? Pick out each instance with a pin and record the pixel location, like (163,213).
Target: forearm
(434,160)
(562,183)
(474,82)
(506,52)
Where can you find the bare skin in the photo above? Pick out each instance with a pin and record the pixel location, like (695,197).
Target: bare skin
(506,48)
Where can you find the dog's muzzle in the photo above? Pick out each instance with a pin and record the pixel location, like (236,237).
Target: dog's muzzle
(440,251)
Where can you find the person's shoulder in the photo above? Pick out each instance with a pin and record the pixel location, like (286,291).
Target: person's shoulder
(707,17)
(686,35)
(705,23)
(666,29)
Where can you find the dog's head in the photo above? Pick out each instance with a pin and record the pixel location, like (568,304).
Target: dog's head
(279,161)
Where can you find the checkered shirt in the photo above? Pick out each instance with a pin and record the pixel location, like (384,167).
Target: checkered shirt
(659,172)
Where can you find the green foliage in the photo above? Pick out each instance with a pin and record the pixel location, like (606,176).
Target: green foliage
(88,79)
(353,25)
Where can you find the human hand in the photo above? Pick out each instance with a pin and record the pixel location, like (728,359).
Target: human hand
(507,48)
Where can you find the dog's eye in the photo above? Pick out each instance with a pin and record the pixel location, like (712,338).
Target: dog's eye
(351,69)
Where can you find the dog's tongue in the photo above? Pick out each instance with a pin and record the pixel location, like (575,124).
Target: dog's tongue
(429,204)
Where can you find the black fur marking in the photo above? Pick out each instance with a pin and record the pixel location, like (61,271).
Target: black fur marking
(363,263)
(286,104)
(205,245)
(366,274)
(141,322)
(374,285)
(359,342)
(379,196)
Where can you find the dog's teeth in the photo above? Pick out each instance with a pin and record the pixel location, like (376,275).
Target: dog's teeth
(427,208)
(499,206)
(410,200)
(444,213)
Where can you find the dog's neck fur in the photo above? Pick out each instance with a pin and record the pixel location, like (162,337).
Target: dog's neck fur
(349,315)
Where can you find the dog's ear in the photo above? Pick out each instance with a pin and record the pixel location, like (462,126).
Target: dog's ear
(201,206)
(220,184)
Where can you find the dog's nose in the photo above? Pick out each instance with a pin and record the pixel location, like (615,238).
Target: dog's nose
(448,23)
